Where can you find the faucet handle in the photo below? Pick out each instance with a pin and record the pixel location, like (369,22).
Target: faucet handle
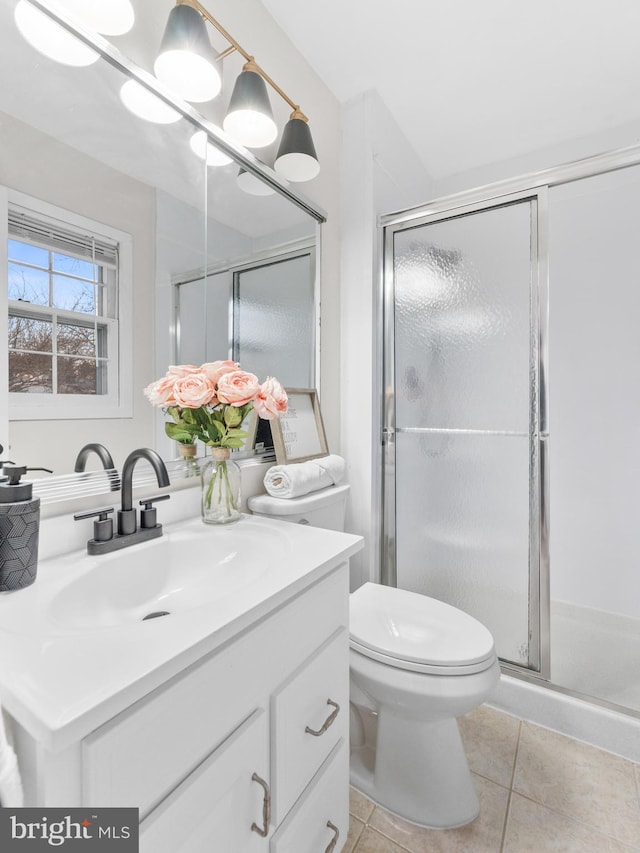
(102,526)
(148,515)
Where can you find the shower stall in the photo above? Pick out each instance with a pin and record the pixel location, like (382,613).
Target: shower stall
(511,437)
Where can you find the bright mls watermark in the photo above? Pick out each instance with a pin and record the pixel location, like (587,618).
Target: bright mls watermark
(103,830)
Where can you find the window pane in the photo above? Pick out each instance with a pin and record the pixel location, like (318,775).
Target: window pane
(28,285)
(77,376)
(74,266)
(76,340)
(73,295)
(28,334)
(19,251)
(30,373)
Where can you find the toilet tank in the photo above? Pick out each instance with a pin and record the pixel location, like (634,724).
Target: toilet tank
(325,508)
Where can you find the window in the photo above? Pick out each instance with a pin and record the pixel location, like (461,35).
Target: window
(65,299)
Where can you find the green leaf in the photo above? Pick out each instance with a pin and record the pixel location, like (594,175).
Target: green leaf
(232,416)
(237,433)
(201,417)
(178,433)
(234,443)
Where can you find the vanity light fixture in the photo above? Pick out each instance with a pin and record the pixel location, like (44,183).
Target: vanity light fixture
(186,62)
(50,38)
(249,119)
(204,149)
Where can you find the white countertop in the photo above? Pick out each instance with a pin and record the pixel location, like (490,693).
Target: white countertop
(61,681)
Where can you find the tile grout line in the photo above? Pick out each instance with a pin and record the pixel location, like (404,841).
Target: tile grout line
(382,835)
(511,781)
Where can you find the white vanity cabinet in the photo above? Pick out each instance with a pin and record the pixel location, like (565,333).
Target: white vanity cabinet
(244,750)
(225,722)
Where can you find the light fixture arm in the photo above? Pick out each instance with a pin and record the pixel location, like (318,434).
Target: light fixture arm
(251,65)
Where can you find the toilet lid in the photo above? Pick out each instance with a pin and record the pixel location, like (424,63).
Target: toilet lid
(414,628)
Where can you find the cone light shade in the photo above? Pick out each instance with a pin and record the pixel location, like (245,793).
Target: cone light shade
(249,119)
(186,62)
(51,39)
(297,159)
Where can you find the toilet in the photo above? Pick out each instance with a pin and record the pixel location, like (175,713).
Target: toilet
(416,664)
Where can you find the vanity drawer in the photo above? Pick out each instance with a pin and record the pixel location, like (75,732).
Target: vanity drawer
(216,806)
(310,715)
(322,813)
(145,752)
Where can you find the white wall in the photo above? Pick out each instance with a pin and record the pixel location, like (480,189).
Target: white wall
(380,172)
(85,186)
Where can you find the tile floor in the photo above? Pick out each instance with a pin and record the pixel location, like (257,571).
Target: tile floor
(539,791)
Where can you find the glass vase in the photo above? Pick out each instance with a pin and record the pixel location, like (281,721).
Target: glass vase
(220,488)
(187,452)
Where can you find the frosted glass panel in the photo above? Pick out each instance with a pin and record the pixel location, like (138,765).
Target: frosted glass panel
(205,316)
(464,489)
(462,321)
(594,412)
(462,528)
(274,321)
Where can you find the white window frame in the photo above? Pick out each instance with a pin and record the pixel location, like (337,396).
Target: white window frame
(118,402)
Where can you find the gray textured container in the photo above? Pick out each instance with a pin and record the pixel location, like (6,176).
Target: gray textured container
(19,527)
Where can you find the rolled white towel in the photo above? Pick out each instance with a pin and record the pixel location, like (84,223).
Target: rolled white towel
(11,795)
(300,478)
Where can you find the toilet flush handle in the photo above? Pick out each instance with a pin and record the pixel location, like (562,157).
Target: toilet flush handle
(330,719)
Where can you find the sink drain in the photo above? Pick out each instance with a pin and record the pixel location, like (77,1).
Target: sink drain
(155,614)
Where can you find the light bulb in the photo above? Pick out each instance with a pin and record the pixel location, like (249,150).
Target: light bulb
(188,75)
(145,104)
(205,150)
(50,38)
(109,17)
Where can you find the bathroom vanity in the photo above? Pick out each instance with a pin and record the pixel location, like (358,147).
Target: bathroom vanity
(224,721)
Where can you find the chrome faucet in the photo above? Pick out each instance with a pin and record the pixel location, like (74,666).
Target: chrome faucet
(128,533)
(107,463)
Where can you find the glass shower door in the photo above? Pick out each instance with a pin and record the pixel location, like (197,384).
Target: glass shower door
(462,435)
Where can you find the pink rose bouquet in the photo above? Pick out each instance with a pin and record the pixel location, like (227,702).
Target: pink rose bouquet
(211,402)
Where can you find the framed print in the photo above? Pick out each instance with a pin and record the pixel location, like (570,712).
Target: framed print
(299,434)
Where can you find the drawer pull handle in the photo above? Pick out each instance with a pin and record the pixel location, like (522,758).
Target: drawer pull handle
(330,719)
(266,808)
(334,840)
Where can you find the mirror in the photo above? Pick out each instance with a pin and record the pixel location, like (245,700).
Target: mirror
(210,266)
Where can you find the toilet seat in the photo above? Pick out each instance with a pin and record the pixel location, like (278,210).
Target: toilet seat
(417,633)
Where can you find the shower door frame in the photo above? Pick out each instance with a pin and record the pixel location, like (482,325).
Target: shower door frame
(539,652)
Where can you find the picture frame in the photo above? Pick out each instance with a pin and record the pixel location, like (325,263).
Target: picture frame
(298,435)
(260,437)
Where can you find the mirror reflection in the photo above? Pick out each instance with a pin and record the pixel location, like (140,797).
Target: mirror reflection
(127,252)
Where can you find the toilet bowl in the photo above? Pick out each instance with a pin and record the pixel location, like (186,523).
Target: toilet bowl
(416,664)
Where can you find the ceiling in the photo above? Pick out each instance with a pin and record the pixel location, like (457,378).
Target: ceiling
(476,82)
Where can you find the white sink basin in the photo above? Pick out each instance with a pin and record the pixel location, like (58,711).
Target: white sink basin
(192,567)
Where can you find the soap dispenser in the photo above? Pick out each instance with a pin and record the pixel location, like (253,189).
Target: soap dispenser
(19,527)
